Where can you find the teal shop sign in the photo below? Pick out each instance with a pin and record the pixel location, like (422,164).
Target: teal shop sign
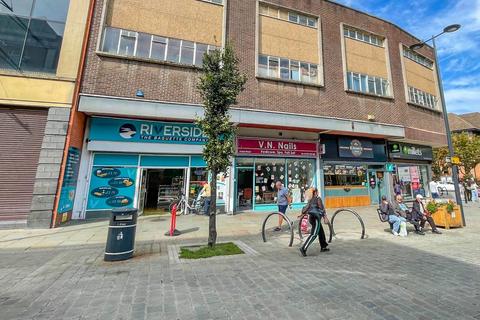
(128,130)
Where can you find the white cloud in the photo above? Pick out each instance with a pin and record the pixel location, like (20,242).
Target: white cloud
(463,100)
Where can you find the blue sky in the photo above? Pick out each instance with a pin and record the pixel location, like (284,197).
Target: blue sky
(459,52)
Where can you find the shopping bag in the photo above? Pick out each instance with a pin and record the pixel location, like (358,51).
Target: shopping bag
(403,229)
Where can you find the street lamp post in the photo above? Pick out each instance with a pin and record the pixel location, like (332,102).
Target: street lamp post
(448,29)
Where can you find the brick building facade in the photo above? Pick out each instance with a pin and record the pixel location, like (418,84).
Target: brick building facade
(125,88)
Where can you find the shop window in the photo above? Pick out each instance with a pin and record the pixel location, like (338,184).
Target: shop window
(344,175)
(198,176)
(267,172)
(301,174)
(410,181)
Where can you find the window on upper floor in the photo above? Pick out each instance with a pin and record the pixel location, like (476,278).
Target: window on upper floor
(214,1)
(418,58)
(368,84)
(31,34)
(152,47)
(287,69)
(364,36)
(287,15)
(422,98)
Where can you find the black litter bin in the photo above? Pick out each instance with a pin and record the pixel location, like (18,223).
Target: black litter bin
(121,235)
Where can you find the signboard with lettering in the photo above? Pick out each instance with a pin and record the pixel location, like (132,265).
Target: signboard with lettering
(111,187)
(355,148)
(128,130)
(276,148)
(409,151)
(69,184)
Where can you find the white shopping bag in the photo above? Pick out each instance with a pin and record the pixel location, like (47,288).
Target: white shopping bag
(403,229)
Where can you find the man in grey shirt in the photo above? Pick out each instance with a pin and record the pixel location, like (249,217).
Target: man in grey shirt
(282,202)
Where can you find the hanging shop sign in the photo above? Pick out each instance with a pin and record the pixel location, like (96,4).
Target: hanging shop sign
(409,151)
(276,148)
(355,148)
(128,130)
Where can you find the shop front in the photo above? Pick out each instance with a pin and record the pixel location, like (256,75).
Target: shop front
(142,164)
(353,171)
(261,162)
(412,172)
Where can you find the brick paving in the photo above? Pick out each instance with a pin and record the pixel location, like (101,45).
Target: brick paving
(60,274)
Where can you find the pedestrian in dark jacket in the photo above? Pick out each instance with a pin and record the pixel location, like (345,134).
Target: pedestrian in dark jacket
(420,214)
(316,211)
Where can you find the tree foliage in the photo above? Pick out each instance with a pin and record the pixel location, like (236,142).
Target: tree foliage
(219,85)
(466,147)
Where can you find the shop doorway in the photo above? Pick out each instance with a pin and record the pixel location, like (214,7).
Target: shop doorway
(160,187)
(377,186)
(244,196)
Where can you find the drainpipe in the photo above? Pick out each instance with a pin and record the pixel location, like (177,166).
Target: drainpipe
(73,111)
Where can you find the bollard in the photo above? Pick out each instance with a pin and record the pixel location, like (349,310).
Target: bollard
(173,223)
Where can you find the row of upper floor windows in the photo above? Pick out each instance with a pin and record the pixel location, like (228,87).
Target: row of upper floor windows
(157,48)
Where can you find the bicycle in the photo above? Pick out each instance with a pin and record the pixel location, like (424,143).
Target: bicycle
(185,207)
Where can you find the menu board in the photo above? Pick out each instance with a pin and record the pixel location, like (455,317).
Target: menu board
(111,187)
(67,195)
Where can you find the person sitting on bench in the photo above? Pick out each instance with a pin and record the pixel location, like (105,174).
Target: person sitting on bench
(420,214)
(393,218)
(401,209)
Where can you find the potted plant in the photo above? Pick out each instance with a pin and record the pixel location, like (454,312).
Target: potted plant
(445,214)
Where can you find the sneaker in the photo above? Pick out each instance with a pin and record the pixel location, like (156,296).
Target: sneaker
(324,250)
(277,229)
(303,252)
(436,231)
(420,232)
(395,233)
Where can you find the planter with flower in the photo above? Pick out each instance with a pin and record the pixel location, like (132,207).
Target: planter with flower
(446,215)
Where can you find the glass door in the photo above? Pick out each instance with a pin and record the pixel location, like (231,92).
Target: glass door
(143,191)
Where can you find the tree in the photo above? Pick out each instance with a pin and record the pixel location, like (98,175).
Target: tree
(466,147)
(219,85)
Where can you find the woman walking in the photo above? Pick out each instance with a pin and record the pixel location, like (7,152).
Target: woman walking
(316,211)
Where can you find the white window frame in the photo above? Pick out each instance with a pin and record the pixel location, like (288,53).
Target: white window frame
(353,33)
(378,84)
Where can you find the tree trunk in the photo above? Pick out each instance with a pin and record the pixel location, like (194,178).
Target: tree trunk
(212,222)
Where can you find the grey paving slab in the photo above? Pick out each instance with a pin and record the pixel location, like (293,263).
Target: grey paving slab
(382,277)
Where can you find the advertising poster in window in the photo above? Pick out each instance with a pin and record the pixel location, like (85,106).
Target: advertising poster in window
(221,188)
(404,174)
(67,195)
(111,187)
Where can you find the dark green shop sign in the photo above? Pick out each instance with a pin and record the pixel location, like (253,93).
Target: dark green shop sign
(409,151)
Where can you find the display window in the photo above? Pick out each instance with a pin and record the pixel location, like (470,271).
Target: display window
(296,174)
(343,175)
(410,180)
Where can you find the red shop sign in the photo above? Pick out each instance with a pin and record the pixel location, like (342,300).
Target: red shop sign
(273,147)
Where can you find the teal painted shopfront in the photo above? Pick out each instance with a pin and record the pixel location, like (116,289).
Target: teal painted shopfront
(143,164)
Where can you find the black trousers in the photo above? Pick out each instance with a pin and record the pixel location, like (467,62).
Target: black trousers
(430,222)
(468,195)
(317,230)
(415,223)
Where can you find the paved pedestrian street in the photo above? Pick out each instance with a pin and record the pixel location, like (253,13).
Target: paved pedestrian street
(60,274)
